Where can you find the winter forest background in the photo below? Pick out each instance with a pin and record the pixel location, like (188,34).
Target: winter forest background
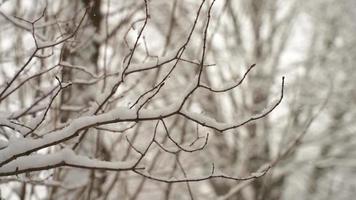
(177,99)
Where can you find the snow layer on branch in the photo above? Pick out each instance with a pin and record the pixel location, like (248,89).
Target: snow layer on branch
(120,114)
(206,120)
(63,157)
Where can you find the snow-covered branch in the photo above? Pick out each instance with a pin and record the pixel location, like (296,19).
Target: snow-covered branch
(64,157)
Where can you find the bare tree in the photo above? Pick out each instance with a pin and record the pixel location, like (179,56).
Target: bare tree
(90,109)
(173,99)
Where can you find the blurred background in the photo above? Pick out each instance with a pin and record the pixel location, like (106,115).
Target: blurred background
(310,135)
